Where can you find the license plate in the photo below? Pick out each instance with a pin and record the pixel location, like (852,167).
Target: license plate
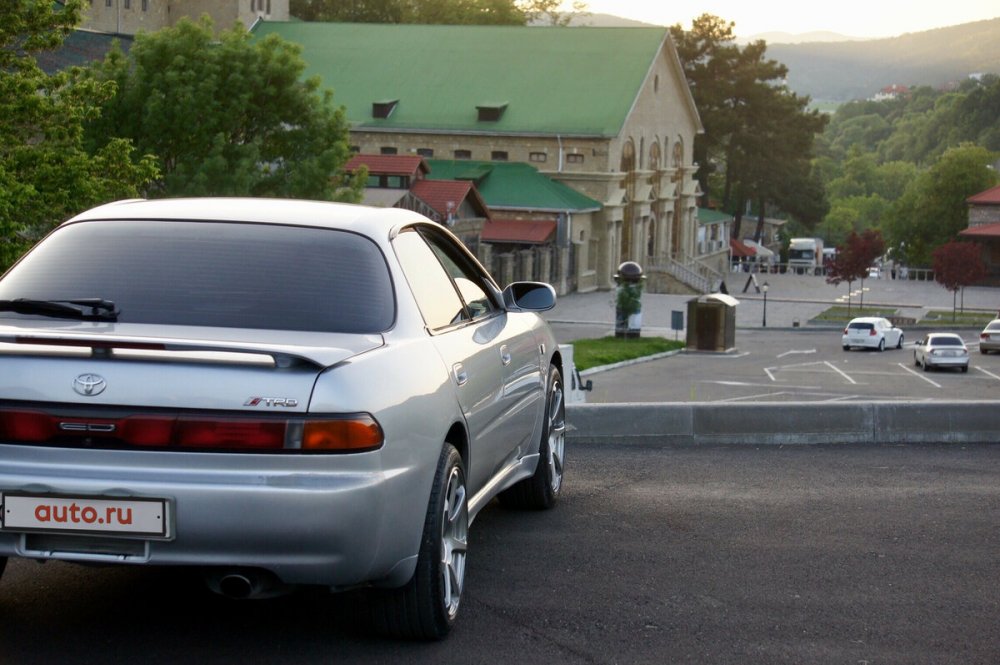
(42,513)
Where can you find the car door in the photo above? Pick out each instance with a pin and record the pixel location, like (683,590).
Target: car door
(493,362)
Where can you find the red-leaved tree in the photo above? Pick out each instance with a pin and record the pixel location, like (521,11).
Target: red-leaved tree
(956,266)
(853,260)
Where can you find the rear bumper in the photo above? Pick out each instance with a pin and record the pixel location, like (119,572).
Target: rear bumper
(337,521)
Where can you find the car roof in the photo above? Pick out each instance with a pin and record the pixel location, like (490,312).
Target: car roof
(323,214)
(867,319)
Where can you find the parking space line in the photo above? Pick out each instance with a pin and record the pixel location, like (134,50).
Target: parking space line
(838,371)
(988,373)
(794,351)
(917,374)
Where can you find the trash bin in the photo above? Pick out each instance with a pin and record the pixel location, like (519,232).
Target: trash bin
(712,322)
(628,299)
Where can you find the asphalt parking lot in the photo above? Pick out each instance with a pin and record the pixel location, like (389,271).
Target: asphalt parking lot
(772,555)
(792,358)
(804,365)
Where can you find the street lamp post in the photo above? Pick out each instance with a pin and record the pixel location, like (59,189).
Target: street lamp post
(764,287)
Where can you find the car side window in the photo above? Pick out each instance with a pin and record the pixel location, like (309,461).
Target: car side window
(432,287)
(467,280)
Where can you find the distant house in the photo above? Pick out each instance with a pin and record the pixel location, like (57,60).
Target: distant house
(604,111)
(984,228)
(894,91)
(532,216)
(400,181)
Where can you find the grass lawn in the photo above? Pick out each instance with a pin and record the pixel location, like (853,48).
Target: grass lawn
(842,315)
(967,318)
(934,317)
(589,353)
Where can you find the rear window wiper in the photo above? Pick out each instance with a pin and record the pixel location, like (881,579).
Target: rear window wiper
(86,309)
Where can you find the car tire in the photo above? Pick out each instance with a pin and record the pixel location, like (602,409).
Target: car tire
(927,367)
(540,491)
(916,361)
(847,348)
(965,368)
(881,345)
(899,344)
(426,607)
(3,564)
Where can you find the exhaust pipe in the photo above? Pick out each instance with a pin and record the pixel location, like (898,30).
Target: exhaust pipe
(246,583)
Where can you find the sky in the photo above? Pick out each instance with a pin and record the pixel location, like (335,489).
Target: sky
(851,18)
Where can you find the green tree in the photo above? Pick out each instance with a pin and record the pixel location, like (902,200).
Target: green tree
(448,12)
(933,211)
(758,135)
(46,175)
(225,115)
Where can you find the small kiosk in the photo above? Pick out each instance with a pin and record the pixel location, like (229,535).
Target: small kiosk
(712,322)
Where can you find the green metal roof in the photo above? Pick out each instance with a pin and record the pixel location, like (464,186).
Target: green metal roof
(513,185)
(544,80)
(709,216)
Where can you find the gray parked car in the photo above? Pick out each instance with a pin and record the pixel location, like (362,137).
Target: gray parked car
(277,392)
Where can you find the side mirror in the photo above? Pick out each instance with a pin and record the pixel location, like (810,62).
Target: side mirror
(529,297)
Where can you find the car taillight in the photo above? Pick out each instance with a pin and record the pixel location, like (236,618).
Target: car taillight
(872,333)
(347,433)
(984,336)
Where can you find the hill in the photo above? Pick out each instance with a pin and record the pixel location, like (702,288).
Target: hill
(842,71)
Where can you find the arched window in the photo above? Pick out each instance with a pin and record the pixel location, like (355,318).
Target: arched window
(628,168)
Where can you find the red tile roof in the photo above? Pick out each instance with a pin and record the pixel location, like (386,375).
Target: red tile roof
(523,231)
(438,194)
(989,197)
(739,249)
(388,164)
(982,231)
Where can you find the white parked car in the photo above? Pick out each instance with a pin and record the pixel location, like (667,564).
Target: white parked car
(275,393)
(872,332)
(941,350)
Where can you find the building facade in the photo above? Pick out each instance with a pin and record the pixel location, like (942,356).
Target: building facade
(605,111)
(128,17)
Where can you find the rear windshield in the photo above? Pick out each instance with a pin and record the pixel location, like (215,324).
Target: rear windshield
(213,274)
(861,326)
(946,341)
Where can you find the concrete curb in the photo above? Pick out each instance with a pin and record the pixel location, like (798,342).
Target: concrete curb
(786,423)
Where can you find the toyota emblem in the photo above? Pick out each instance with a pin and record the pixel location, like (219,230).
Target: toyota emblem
(89,385)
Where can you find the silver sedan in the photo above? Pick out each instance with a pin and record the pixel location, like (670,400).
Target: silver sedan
(935,350)
(275,392)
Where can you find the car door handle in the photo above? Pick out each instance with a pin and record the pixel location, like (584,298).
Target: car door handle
(461,376)
(505,356)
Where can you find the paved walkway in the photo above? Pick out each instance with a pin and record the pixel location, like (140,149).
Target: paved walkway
(791,300)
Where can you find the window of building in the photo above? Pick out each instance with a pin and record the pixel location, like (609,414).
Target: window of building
(384,108)
(537,156)
(463,154)
(397,182)
(574,158)
(388,150)
(425,152)
(499,155)
(491,112)
(145,5)
(107,3)
(127,4)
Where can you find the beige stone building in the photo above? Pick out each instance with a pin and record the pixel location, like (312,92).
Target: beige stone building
(606,111)
(127,17)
